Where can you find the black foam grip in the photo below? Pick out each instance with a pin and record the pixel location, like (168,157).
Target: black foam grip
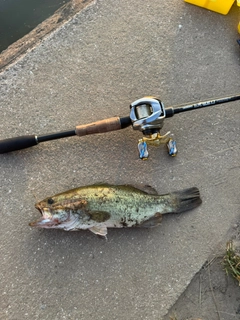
(17,143)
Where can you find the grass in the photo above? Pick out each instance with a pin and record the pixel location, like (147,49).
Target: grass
(231,262)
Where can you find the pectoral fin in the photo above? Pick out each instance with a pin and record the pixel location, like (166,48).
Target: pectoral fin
(99,230)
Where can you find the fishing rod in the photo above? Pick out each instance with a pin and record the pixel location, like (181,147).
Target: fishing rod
(146,115)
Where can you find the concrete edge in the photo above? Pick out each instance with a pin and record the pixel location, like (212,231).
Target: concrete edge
(19,48)
(218,251)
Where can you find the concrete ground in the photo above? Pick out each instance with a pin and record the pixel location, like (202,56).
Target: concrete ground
(213,293)
(92,68)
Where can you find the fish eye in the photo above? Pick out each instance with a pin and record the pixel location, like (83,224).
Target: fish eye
(50,201)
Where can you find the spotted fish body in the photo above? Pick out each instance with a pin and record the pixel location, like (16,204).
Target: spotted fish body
(98,207)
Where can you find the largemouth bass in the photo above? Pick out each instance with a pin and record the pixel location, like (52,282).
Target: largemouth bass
(98,207)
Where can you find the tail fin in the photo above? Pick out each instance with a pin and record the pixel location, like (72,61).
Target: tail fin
(187,199)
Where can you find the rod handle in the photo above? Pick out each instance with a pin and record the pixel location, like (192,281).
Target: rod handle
(17,143)
(101,126)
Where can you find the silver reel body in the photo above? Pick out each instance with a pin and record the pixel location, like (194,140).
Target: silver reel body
(147,114)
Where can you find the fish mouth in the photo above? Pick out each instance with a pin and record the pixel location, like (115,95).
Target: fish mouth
(46,220)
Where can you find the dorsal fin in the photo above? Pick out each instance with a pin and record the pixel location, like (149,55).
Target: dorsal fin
(144,188)
(135,187)
(150,190)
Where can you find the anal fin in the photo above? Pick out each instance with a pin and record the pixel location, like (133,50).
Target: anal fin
(152,222)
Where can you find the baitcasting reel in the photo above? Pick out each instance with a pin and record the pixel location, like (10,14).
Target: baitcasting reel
(147,115)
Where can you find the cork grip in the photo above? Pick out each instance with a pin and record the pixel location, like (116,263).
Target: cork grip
(101,126)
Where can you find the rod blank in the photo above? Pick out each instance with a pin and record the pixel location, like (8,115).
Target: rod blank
(204,104)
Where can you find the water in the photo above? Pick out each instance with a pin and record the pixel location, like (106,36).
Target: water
(19,17)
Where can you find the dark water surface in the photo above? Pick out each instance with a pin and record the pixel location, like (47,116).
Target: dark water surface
(19,17)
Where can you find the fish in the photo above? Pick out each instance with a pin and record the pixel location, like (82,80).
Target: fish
(101,206)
